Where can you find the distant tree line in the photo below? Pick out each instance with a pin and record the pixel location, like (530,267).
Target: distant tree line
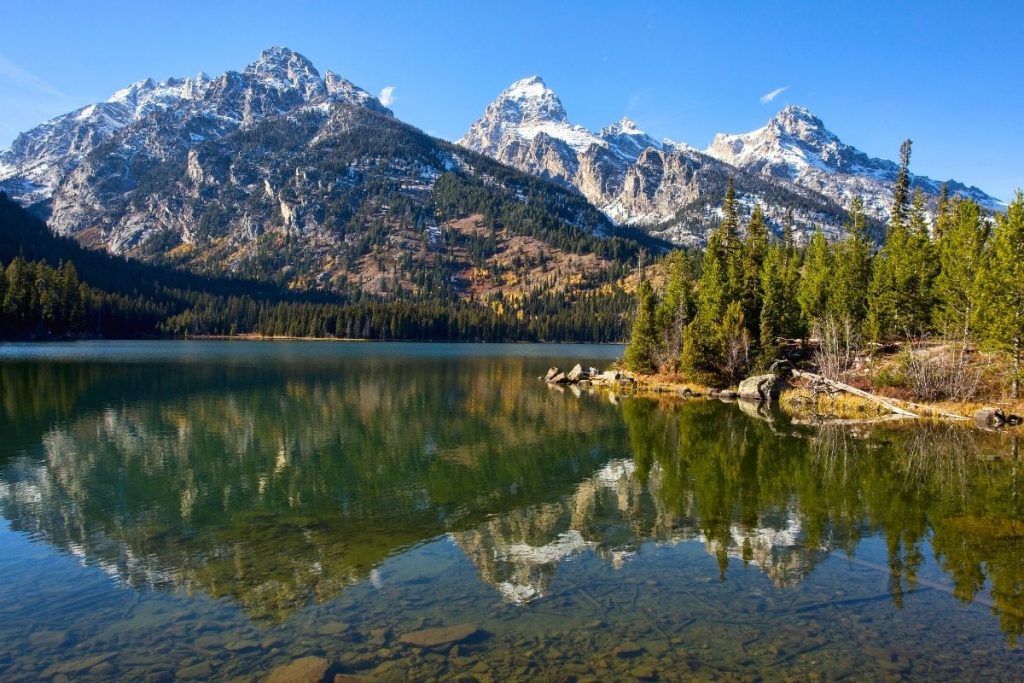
(51,288)
(956,274)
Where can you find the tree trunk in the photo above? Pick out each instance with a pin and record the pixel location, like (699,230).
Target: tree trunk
(888,405)
(1015,387)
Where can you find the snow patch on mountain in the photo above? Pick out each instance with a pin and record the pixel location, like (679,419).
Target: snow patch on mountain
(279,81)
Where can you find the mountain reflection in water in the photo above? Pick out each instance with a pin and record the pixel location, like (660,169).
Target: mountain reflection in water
(279,485)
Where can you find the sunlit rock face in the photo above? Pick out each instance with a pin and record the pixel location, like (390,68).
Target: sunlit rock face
(204,107)
(633,178)
(793,163)
(796,146)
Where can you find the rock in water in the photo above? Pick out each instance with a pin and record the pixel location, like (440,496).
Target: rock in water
(990,417)
(576,374)
(761,387)
(439,637)
(201,671)
(551,374)
(302,670)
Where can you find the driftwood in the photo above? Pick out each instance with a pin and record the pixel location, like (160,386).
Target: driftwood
(819,383)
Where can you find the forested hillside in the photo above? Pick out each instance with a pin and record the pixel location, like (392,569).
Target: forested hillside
(52,288)
(939,287)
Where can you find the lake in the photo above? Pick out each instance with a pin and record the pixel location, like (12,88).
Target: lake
(213,510)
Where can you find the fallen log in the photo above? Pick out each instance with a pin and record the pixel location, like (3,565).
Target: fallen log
(839,386)
(888,405)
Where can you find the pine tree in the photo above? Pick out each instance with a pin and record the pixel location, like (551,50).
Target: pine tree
(787,231)
(735,344)
(899,296)
(815,279)
(901,191)
(642,347)
(959,248)
(998,305)
(755,248)
(944,212)
(780,310)
(675,310)
(849,286)
(922,267)
(731,244)
(702,342)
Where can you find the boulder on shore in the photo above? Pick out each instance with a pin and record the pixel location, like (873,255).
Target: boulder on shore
(761,387)
(576,374)
(990,417)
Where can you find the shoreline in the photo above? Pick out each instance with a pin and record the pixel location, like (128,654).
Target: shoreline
(799,403)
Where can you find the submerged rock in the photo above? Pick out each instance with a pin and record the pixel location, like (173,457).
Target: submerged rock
(302,670)
(201,671)
(437,637)
(628,650)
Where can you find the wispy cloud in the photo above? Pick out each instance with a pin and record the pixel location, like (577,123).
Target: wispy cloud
(769,96)
(387,95)
(26,80)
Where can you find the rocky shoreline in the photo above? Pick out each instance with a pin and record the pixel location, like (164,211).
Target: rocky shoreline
(802,395)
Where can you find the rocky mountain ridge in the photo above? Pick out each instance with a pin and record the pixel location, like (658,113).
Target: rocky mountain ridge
(276,173)
(277,82)
(796,146)
(673,189)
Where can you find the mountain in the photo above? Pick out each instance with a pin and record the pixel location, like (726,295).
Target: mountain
(674,190)
(670,188)
(796,146)
(277,82)
(278,173)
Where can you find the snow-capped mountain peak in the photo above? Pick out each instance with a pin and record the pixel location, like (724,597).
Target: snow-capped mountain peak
(627,139)
(530,100)
(285,69)
(796,146)
(279,81)
(625,126)
(526,111)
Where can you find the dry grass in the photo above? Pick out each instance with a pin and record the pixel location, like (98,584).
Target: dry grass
(668,384)
(804,402)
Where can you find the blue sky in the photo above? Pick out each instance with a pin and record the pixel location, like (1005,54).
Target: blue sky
(950,75)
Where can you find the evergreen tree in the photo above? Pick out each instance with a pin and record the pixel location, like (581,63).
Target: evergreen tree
(901,191)
(675,310)
(734,356)
(922,266)
(755,249)
(731,245)
(815,279)
(702,342)
(899,296)
(959,247)
(849,285)
(642,348)
(780,310)
(999,293)
(944,212)
(787,232)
